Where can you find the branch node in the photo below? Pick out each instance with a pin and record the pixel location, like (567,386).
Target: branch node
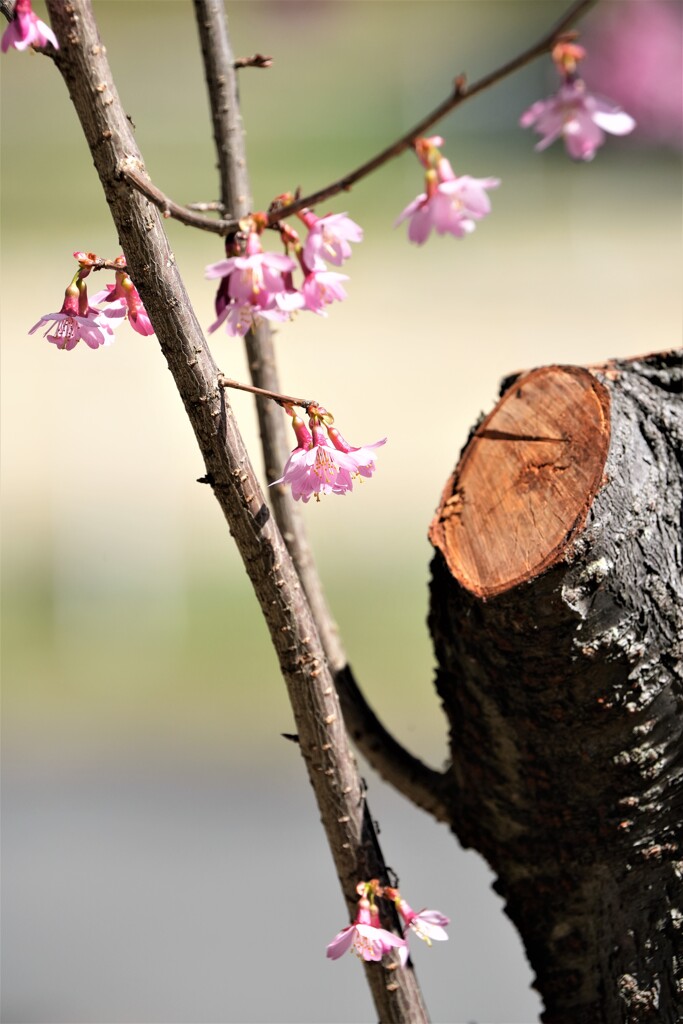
(460,85)
(257,61)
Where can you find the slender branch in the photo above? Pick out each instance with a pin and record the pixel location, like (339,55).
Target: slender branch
(460,93)
(228,382)
(7,9)
(396,765)
(139,180)
(221,78)
(235,196)
(322,736)
(213,207)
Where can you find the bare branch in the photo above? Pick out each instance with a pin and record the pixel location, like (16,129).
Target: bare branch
(257,61)
(458,95)
(228,382)
(384,753)
(139,180)
(319,723)
(212,207)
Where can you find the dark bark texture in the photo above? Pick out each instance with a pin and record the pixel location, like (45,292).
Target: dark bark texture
(564,694)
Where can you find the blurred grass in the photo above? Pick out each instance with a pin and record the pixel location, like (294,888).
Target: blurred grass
(143,660)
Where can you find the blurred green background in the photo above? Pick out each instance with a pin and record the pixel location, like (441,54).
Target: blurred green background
(158,833)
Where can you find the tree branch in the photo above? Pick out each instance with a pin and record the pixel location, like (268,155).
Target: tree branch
(460,93)
(322,737)
(221,82)
(396,765)
(141,181)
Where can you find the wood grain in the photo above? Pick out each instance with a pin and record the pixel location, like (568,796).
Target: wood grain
(526,480)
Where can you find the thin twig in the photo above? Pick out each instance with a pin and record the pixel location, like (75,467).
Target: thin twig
(459,94)
(168,208)
(416,781)
(257,61)
(213,207)
(235,195)
(228,382)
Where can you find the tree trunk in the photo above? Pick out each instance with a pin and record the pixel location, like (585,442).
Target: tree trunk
(556,619)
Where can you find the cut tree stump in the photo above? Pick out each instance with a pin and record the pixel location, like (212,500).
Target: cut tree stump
(556,615)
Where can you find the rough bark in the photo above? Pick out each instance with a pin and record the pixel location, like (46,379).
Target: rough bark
(557,625)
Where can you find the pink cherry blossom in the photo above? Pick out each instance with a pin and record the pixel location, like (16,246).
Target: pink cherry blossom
(255,278)
(125,301)
(76,321)
(26,29)
(322,287)
(635,55)
(318,470)
(362,458)
(317,467)
(71,329)
(368,941)
(450,204)
(328,239)
(578,117)
(428,925)
(241,318)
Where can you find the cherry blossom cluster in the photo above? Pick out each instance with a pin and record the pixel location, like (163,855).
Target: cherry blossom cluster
(26,29)
(367,938)
(573,113)
(323,462)
(80,319)
(254,283)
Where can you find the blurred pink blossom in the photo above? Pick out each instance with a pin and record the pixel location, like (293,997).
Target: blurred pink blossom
(578,117)
(450,205)
(26,29)
(635,53)
(256,284)
(242,317)
(328,239)
(428,925)
(256,277)
(320,288)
